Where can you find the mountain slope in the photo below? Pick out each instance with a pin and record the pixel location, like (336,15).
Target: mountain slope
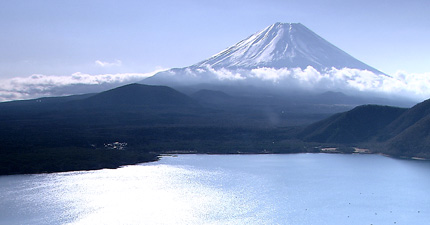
(212,97)
(409,135)
(413,141)
(124,98)
(395,131)
(139,95)
(406,120)
(360,124)
(284,45)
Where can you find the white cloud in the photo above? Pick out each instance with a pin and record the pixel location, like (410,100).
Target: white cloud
(39,85)
(414,82)
(352,81)
(416,86)
(225,74)
(270,74)
(108,64)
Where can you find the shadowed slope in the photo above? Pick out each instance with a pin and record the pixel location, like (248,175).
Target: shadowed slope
(357,125)
(140,95)
(410,133)
(406,120)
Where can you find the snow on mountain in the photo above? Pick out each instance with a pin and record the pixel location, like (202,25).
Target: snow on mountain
(284,45)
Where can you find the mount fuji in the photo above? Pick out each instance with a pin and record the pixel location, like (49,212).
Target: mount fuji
(287,56)
(284,45)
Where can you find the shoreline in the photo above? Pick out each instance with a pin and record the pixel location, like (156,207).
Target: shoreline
(157,157)
(58,160)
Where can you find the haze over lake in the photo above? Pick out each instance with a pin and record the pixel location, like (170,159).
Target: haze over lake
(227,189)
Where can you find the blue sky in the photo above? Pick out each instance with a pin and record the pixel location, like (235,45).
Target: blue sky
(54,37)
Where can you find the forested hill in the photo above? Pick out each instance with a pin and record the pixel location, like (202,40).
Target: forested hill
(391,130)
(360,124)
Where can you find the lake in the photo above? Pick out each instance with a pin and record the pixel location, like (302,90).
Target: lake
(227,189)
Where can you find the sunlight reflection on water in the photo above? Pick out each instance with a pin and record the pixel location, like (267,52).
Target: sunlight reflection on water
(227,189)
(154,194)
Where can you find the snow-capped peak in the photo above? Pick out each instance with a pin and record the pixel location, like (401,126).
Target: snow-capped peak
(284,45)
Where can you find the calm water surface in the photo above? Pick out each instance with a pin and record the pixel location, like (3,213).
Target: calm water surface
(227,189)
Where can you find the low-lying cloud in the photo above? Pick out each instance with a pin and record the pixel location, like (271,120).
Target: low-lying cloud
(353,81)
(39,85)
(350,81)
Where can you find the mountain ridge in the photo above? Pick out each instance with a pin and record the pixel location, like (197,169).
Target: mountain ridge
(358,125)
(283,45)
(390,130)
(140,95)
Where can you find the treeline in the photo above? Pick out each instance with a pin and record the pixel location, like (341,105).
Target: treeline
(57,148)
(68,159)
